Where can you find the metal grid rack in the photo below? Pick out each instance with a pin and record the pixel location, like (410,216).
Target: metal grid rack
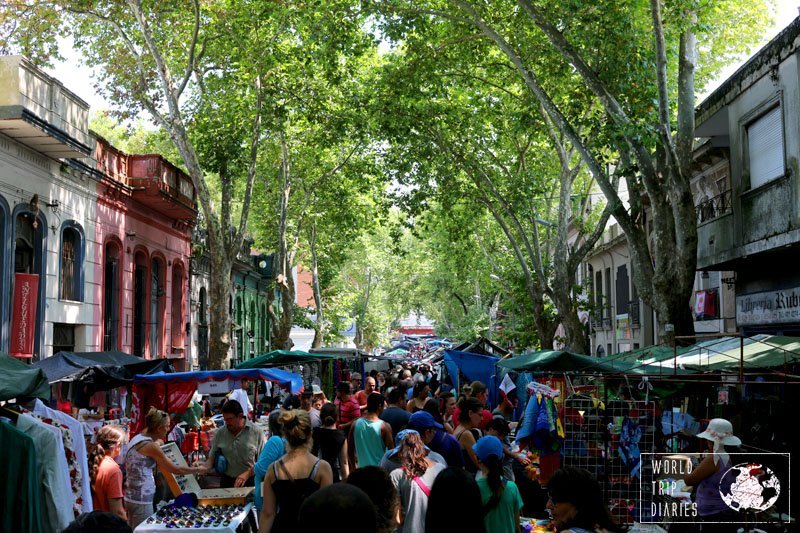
(600,438)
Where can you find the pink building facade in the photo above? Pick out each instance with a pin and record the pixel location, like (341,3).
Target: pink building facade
(145,215)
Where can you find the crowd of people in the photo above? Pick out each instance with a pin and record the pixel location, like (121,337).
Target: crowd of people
(401,454)
(420,458)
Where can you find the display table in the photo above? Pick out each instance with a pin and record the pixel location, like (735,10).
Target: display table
(179,483)
(208,519)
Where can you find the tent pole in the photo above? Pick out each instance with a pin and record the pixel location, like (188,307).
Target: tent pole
(741,360)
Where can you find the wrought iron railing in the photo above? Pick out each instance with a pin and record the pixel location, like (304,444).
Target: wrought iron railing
(715,207)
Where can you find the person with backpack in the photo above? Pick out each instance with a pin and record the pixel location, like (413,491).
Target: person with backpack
(413,481)
(501,498)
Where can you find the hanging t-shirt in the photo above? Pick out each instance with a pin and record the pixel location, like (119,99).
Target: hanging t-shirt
(52,469)
(20,487)
(78,444)
(501,518)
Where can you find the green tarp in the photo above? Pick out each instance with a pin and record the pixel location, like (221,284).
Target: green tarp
(20,379)
(561,361)
(283,357)
(760,352)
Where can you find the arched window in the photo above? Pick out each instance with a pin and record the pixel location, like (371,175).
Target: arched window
(240,331)
(111,269)
(72,255)
(264,328)
(140,303)
(252,324)
(157,307)
(176,310)
(29,258)
(202,331)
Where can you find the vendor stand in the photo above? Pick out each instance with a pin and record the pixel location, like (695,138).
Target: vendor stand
(173,392)
(663,396)
(231,518)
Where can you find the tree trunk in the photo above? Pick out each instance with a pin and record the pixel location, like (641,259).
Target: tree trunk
(282,325)
(219,341)
(320,322)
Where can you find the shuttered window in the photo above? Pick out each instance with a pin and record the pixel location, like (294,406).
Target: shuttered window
(765,148)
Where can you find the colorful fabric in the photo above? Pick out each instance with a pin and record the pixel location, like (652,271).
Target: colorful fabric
(79,447)
(629,446)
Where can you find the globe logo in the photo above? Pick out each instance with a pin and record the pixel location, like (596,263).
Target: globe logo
(749,487)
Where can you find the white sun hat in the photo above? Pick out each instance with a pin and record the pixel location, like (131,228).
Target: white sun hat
(720,432)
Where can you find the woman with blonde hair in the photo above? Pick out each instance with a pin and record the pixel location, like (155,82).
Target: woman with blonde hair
(293,477)
(413,481)
(104,473)
(143,455)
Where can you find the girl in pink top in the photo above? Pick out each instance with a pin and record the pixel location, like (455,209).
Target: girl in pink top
(104,473)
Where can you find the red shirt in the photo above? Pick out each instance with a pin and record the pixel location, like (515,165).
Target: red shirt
(107,485)
(348,411)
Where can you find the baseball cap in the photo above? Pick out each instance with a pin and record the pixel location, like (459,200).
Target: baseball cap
(423,420)
(488,446)
(315,389)
(399,440)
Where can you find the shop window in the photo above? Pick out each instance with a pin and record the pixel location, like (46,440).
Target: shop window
(765,148)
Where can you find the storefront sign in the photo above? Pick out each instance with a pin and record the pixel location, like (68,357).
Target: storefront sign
(23,321)
(773,307)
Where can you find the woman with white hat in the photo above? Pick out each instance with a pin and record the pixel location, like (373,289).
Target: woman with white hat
(707,475)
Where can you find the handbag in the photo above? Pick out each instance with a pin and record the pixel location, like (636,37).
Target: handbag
(220,462)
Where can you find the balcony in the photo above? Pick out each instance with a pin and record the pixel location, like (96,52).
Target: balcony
(160,185)
(39,112)
(715,207)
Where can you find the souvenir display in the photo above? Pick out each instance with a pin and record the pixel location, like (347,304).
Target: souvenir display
(208,518)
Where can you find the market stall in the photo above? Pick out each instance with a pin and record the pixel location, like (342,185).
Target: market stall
(618,411)
(173,392)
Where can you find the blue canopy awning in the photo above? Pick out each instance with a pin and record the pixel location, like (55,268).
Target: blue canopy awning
(288,380)
(475,367)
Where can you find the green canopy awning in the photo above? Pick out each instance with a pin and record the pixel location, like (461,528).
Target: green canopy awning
(561,361)
(760,352)
(20,379)
(283,357)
